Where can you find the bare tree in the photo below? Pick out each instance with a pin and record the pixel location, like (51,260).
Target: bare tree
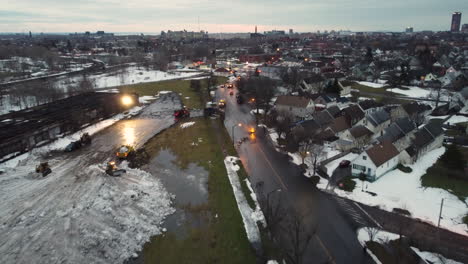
(372,232)
(316,151)
(283,122)
(297,238)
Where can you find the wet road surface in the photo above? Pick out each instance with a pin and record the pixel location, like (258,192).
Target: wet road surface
(335,239)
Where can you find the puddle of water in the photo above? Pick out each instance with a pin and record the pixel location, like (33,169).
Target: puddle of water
(190,189)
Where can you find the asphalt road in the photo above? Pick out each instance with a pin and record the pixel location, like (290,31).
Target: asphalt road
(335,240)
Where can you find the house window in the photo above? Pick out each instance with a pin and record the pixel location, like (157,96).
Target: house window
(364,157)
(359,167)
(369,171)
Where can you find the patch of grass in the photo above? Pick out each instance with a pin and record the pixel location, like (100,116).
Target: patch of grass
(404,168)
(190,98)
(367,89)
(347,184)
(393,252)
(223,239)
(438,176)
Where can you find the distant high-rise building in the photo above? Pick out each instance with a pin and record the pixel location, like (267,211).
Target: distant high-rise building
(465,28)
(456,21)
(409,30)
(255,29)
(291,31)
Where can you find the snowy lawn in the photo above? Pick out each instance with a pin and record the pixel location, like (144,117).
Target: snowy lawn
(373,85)
(397,189)
(383,237)
(327,153)
(412,91)
(456,119)
(190,98)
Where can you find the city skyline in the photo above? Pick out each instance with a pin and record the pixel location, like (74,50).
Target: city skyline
(301,15)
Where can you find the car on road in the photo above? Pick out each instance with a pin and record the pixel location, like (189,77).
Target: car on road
(344,163)
(222,103)
(239,99)
(230,86)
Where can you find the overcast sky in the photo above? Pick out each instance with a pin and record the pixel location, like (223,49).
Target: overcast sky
(226,16)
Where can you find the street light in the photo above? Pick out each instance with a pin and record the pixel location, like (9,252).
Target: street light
(233,139)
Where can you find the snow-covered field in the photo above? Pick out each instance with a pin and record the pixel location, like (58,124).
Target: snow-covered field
(456,119)
(397,189)
(373,85)
(412,91)
(129,75)
(384,236)
(79,214)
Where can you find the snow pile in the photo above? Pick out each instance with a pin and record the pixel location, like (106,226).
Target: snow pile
(383,237)
(412,91)
(372,85)
(80,216)
(434,257)
(187,124)
(250,224)
(146,99)
(257,215)
(423,203)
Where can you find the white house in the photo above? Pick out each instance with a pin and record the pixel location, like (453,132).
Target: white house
(375,161)
(300,107)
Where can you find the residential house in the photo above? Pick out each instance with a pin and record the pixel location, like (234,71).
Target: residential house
(222,72)
(353,114)
(324,101)
(414,110)
(313,84)
(429,137)
(376,121)
(339,126)
(323,118)
(375,161)
(356,137)
(300,107)
(370,105)
(399,133)
(345,87)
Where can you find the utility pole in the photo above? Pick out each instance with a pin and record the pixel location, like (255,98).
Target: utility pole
(440,213)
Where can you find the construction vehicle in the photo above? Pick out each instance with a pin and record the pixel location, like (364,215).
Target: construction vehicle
(112,169)
(182,113)
(85,139)
(43,168)
(125,152)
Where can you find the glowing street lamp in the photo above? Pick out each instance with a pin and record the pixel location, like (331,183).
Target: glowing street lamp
(126,100)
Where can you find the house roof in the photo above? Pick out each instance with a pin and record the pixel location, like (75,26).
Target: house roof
(421,138)
(381,153)
(310,126)
(295,101)
(405,124)
(333,110)
(378,117)
(434,129)
(415,108)
(368,104)
(221,70)
(360,131)
(315,78)
(353,112)
(322,118)
(339,124)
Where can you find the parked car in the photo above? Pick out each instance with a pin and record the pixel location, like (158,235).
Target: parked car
(344,163)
